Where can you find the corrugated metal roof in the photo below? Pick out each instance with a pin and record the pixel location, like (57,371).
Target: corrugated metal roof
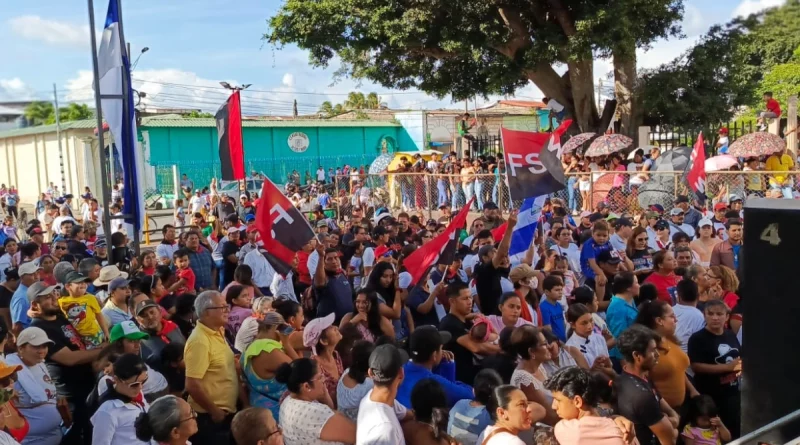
(41,129)
(157,122)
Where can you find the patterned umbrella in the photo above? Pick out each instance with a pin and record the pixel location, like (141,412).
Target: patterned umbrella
(576,141)
(756,144)
(607,144)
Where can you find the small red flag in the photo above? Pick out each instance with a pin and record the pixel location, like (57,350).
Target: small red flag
(499,231)
(697,169)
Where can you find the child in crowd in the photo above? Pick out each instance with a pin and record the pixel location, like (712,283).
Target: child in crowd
(180,213)
(240,299)
(173,368)
(592,346)
(482,332)
(705,426)
(561,264)
(8,228)
(186,279)
(552,312)
(83,311)
(586,296)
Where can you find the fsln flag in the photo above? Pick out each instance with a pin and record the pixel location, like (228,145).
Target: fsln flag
(527,221)
(281,226)
(229,131)
(419,262)
(555,138)
(532,164)
(697,169)
(113,68)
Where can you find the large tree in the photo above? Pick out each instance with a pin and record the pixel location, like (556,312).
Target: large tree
(468,48)
(43,113)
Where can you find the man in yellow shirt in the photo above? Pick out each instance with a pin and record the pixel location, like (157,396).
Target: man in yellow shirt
(781,162)
(211,378)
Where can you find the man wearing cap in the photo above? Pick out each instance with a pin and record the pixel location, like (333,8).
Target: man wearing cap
(691,215)
(162,332)
(677,224)
(378,412)
(116,308)
(251,244)
(245,207)
(430,361)
(197,202)
(623,229)
(736,203)
(28,275)
(224,208)
(230,260)
(211,378)
(168,246)
(67,360)
(719,219)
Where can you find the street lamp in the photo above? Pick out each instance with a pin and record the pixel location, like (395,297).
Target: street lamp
(228,86)
(144,50)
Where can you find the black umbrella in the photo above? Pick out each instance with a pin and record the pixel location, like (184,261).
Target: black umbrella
(660,188)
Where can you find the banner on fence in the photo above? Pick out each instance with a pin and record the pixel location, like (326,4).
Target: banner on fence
(532,164)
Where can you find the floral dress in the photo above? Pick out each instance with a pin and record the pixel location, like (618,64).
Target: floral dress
(331,382)
(264,393)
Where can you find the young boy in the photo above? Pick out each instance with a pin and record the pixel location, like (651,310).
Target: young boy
(552,312)
(9,230)
(591,248)
(186,279)
(83,311)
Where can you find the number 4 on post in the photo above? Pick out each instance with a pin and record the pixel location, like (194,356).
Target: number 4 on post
(770,234)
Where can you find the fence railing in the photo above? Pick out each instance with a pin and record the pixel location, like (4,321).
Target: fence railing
(623,192)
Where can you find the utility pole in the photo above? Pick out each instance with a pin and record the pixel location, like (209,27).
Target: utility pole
(294,108)
(58,136)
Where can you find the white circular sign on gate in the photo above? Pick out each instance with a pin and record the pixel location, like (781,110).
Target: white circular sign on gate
(298,142)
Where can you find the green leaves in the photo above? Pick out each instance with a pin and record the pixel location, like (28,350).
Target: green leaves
(43,113)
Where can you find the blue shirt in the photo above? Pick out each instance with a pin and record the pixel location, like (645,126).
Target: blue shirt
(444,374)
(19,306)
(589,251)
(735,248)
(553,315)
(202,264)
(619,316)
(467,422)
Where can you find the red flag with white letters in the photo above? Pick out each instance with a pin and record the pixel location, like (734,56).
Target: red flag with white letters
(281,226)
(533,166)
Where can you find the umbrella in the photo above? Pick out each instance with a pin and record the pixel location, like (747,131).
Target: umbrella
(756,144)
(576,141)
(607,144)
(720,162)
(380,164)
(644,148)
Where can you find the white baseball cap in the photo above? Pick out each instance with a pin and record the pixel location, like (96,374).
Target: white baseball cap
(33,336)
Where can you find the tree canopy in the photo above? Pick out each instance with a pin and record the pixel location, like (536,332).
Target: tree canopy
(470,48)
(727,71)
(43,113)
(355,101)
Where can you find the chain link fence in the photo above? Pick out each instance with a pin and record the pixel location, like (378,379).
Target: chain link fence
(623,192)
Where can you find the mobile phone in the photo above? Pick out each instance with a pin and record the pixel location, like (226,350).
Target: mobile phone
(388,254)
(285,329)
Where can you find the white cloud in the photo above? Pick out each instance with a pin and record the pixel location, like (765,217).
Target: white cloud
(747,7)
(288,80)
(15,89)
(51,32)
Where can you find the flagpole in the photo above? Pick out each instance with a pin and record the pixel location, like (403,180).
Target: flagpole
(106,193)
(126,120)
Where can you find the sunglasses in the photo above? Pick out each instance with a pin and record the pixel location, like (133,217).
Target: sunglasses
(60,248)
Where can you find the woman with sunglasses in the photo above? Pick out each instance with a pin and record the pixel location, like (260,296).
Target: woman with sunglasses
(170,421)
(640,253)
(114,421)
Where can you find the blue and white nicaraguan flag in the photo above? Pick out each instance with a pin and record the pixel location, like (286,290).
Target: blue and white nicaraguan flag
(527,222)
(114,66)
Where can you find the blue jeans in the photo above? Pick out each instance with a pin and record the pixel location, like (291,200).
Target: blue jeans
(441,186)
(408,194)
(469,189)
(571,192)
(455,191)
(479,193)
(220,264)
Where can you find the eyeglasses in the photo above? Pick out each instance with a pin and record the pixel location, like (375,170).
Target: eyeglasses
(278,430)
(225,308)
(192,416)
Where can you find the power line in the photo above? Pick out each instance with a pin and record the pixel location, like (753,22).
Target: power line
(275,91)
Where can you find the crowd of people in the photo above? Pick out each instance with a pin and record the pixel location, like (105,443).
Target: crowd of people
(610,327)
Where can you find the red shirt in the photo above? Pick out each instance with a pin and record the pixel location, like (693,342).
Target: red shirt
(188,275)
(665,286)
(303,274)
(774,106)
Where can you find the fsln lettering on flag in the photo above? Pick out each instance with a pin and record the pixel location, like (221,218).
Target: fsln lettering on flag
(281,226)
(532,169)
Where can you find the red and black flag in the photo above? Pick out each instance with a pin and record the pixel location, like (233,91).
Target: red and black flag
(533,167)
(282,228)
(443,246)
(229,129)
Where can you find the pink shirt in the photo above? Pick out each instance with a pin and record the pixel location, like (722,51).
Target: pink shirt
(589,430)
(619,180)
(497,322)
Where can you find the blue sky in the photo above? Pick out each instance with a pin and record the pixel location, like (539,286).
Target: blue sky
(201,42)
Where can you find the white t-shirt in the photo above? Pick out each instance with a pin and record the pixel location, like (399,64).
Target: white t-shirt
(500,438)
(634,167)
(368,258)
(573,254)
(196,203)
(469,263)
(98,215)
(555,106)
(592,347)
(302,422)
(320,175)
(690,320)
(377,424)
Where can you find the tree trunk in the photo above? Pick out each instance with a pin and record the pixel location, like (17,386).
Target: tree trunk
(624,85)
(581,81)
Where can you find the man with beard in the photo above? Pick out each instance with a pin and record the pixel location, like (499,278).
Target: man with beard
(404,231)
(67,360)
(490,270)
(654,421)
(492,216)
(728,252)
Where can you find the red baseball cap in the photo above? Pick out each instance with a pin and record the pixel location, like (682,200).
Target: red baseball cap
(720,206)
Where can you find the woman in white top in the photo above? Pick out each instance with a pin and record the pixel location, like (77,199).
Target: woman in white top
(114,421)
(529,376)
(38,399)
(307,416)
(512,414)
